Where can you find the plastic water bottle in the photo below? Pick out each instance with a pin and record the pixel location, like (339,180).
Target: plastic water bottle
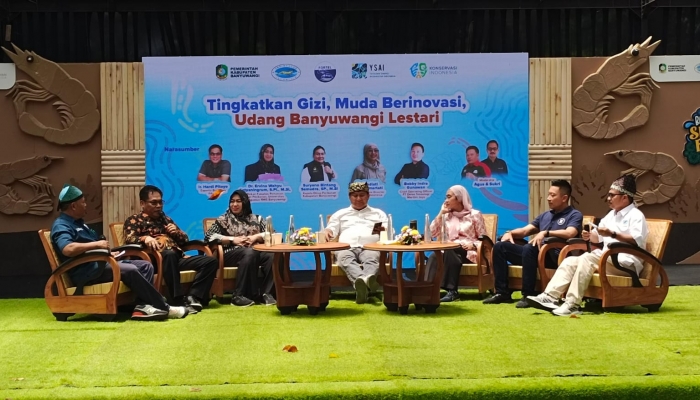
(320,223)
(390,228)
(427,238)
(269,235)
(444,238)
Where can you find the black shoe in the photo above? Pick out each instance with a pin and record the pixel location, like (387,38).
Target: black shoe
(268,300)
(498,298)
(522,303)
(191,310)
(241,301)
(452,295)
(194,303)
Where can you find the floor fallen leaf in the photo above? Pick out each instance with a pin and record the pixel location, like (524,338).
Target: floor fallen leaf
(574,316)
(17,379)
(286,348)
(194,389)
(293,349)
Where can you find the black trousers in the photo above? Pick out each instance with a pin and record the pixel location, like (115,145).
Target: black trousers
(452,265)
(138,276)
(524,255)
(204,266)
(248,283)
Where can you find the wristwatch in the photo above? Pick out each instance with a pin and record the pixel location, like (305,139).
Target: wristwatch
(613,234)
(546,233)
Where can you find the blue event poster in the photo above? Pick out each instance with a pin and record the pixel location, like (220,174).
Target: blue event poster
(294,131)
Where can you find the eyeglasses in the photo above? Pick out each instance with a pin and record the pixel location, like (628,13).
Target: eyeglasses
(156,202)
(214,154)
(492,148)
(610,195)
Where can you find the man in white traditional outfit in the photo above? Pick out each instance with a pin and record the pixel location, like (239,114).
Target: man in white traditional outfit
(356,227)
(624,223)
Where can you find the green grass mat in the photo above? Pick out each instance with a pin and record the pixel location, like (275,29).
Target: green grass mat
(350,350)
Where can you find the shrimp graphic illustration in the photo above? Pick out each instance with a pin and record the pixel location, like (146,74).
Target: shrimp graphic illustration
(669,178)
(216,193)
(80,118)
(24,171)
(591,99)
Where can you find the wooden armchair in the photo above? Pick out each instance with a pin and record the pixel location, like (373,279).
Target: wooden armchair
(651,287)
(226,275)
(186,277)
(102,298)
(544,275)
(481,273)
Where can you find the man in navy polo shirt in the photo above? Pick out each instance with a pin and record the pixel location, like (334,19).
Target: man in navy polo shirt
(561,221)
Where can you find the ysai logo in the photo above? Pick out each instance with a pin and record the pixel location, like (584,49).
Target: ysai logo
(419,70)
(691,149)
(325,72)
(359,71)
(286,72)
(221,72)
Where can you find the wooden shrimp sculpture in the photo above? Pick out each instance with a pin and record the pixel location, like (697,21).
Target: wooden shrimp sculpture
(80,118)
(591,100)
(669,175)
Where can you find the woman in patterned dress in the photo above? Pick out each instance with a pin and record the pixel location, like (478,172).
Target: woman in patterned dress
(239,229)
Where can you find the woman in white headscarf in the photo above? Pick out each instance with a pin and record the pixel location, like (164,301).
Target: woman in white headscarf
(370,168)
(464,226)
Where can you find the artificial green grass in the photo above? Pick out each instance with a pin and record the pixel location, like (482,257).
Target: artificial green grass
(466,349)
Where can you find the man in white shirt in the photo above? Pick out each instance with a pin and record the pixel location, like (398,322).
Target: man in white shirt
(624,223)
(355,225)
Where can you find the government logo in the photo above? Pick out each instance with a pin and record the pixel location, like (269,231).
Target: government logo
(286,72)
(325,72)
(221,72)
(359,71)
(419,70)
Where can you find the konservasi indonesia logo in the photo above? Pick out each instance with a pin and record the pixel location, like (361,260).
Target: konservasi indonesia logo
(419,70)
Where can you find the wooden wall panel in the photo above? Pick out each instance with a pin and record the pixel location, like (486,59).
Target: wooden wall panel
(123,154)
(550,127)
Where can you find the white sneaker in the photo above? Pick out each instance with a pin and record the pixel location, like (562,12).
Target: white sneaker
(567,309)
(177,312)
(543,301)
(361,290)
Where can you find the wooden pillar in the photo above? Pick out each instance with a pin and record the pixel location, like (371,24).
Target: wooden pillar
(123,140)
(550,128)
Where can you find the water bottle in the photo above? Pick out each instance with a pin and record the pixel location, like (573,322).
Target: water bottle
(444,237)
(269,240)
(320,223)
(390,228)
(426,234)
(291,225)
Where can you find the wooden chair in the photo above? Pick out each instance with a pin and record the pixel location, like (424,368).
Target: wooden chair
(544,275)
(102,298)
(186,277)
(481,273)
(620,291)
(226,275)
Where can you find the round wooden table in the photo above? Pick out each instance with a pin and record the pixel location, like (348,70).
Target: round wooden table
(399,293)
(291,294)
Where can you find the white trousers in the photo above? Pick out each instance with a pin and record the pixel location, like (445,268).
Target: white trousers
(575,273)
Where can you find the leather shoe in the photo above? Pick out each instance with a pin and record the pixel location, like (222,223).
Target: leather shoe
(498,298)
(194,303)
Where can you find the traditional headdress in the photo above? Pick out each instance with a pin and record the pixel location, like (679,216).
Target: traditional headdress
(625,184)
(358,187)
(68,195)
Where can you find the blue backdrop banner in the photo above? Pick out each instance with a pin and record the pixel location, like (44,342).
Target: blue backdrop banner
(294,131)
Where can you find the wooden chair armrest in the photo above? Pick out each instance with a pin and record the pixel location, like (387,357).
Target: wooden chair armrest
(633,250)
(571,247)
(484,255)
(199,245)
(549,243)
(89,256)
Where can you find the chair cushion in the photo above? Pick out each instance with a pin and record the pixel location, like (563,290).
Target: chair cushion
(187,276)
(230,272)
(614,280)
(100,288)
(469,269)
(516,271)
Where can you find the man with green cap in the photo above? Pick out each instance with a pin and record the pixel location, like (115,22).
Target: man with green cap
(355,226)
(71,237)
